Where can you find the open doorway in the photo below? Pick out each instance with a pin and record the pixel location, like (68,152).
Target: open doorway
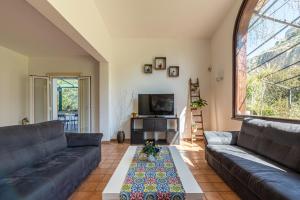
(67,99)
(65,102)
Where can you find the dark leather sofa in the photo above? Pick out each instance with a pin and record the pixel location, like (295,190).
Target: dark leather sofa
(261,162)
(40,161)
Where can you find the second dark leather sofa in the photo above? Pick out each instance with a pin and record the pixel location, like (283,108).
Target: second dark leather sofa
(261,162)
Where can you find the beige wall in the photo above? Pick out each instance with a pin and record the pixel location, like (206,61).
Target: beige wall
(86,65)
(13,87)
(86,19)
(127,77)
(221,60)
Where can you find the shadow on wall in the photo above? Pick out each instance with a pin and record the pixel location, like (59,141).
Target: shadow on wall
(128,102)
(185,120)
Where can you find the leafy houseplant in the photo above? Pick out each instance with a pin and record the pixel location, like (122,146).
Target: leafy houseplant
(199,103)
(150,150)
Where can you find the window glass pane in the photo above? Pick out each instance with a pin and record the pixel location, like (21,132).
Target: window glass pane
(268,59)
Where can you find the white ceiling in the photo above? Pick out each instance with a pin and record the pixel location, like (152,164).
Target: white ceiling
(26,31)
(163,18)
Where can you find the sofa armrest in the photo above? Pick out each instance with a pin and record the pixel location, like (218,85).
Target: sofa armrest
(221,137)
(83,139)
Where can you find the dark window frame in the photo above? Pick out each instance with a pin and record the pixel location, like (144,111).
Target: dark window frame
(236,116)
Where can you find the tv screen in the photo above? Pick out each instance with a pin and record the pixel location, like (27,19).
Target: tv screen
(156,104)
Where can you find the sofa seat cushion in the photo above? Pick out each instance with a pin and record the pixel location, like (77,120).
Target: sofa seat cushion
(52,177)
(268,180)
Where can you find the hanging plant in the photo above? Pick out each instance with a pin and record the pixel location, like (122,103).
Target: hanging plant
(201,103)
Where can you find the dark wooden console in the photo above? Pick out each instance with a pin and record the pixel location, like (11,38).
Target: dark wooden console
(143,128)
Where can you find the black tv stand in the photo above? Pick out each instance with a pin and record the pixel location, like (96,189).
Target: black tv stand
(147,127)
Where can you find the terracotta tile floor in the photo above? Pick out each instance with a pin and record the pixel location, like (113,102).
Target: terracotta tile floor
(193,155)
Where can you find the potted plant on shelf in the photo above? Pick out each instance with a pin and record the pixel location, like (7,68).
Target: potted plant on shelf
(194,128)
(201,103)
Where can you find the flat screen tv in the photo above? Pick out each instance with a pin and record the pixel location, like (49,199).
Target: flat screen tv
(156,104)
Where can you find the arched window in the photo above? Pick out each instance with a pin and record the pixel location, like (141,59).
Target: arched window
(266,57)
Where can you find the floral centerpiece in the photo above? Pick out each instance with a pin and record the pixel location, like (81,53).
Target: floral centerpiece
(150,151)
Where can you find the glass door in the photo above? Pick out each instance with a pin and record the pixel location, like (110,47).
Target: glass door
(39,99)
(66,98)
(65,102)
(85,104)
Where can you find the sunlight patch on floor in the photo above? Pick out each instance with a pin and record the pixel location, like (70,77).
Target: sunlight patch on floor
(188,146)
(188,161)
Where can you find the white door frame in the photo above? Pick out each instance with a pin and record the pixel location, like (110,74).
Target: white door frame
(90,96)
(49,80)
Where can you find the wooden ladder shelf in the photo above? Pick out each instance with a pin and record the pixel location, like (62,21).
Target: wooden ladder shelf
(197,126)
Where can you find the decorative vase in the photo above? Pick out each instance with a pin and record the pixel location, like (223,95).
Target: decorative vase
(121,136)
(134,115)
(151,158)
(143,157)
(25,121)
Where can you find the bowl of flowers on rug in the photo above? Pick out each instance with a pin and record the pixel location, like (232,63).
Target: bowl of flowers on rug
(149,152)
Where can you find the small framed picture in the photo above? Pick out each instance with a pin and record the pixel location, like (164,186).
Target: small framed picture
(173,71)
(148,69)
(160,63)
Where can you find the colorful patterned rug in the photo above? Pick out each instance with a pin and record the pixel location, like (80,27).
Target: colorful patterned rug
(152,180)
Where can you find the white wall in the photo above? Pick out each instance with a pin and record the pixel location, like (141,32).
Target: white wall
(104,97)
(13,87)
(126,74)
(221,60)
(84,18)
(86,65)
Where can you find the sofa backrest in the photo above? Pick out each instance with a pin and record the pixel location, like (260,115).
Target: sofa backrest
(53,136)
(275,140)
(22,146)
